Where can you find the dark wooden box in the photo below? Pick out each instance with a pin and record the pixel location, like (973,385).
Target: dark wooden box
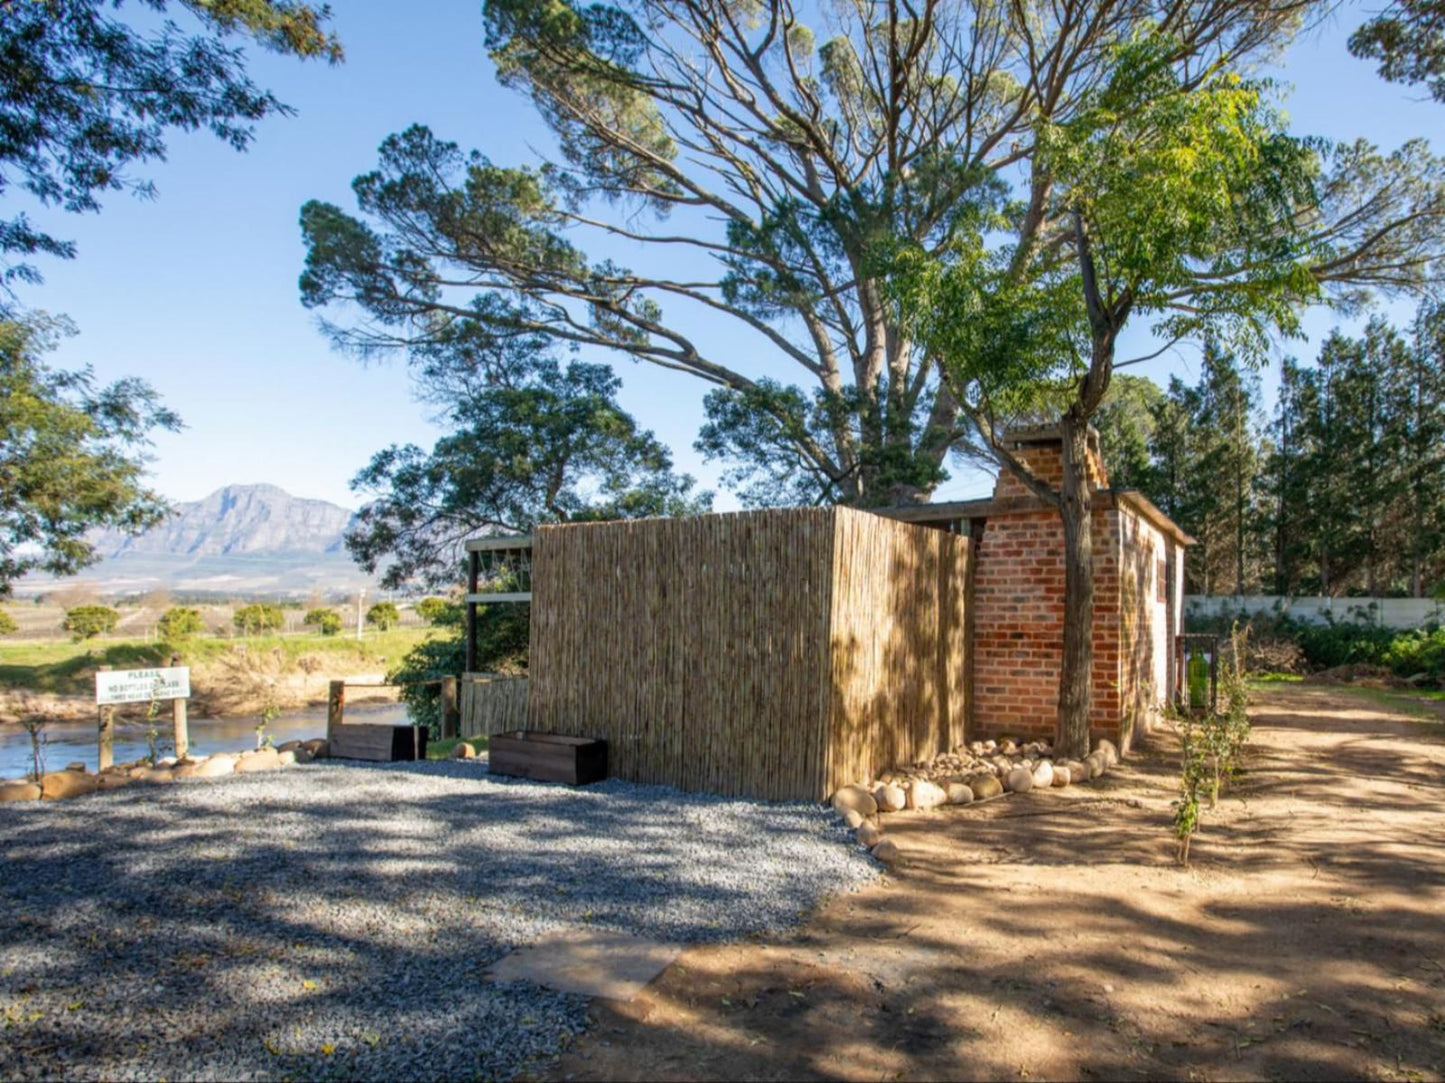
(548,757)
(378,741)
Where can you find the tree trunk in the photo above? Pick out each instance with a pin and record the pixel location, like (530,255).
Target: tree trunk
(1078,660)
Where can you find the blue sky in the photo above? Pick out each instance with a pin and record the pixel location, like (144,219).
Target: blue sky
(196,290)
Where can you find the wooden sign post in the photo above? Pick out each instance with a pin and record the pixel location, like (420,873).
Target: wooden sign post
(113,686)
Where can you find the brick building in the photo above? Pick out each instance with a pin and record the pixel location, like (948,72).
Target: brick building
(1017,610)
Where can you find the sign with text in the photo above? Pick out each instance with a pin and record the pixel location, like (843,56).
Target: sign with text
(142,685)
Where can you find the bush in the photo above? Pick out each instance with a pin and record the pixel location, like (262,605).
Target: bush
(383,615)
(1314,647)
(258,618)
(501,648)
(7,624)
(440,612)
(180,622)
(89,621)
(326,621)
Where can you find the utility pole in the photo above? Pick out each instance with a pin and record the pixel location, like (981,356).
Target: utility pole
(360,601)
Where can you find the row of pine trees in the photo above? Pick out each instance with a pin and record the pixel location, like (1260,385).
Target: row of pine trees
(1339,491)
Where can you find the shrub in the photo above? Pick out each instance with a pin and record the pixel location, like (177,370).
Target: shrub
(501,648)
(180,622)
(440,612)
(1211,745)
(89,621)
(383,615)
(258,618)
(326,621)
(7,624)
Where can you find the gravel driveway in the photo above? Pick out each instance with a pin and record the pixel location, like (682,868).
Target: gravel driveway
(335,921)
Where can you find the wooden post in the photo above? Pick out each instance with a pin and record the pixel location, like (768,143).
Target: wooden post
(335,706)
(180,729)
(450,714)
(105,757)
(474,567)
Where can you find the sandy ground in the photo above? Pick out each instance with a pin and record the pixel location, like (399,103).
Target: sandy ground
(1050,936)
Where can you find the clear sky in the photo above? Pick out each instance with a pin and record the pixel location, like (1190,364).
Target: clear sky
(196,290)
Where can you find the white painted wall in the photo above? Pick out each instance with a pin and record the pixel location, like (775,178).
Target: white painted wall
(1389,612)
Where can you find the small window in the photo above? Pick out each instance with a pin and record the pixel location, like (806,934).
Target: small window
(1161,581)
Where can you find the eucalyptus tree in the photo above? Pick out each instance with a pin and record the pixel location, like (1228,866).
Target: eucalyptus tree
(1407,37)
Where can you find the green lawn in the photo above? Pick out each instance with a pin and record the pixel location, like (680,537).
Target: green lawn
(66,668)
(442,750)
(1422,703)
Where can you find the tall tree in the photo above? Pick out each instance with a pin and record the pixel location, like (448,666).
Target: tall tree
(72,457)
(1227,465)
(1165,199)
(88,93)
(1415,386)
(768,158)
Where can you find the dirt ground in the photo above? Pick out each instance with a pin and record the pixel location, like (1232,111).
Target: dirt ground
(1049,936)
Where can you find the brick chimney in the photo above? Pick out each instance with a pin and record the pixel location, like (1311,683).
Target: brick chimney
(1042,451)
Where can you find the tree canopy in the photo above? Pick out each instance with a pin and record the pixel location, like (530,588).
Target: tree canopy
(72,457)
(1408,39)
(88,621)
(89,93)
(534,443)
(771,158)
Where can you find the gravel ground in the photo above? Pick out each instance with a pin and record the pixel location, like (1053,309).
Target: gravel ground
(335,921)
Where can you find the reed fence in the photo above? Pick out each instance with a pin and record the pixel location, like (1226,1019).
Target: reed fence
(770,654)
(492,704)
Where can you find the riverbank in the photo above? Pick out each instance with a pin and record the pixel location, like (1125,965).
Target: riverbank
(230,678)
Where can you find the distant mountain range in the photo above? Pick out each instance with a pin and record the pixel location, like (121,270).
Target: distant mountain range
(242,539)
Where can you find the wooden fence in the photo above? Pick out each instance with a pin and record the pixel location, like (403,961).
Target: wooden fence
(772,654)
(492,704)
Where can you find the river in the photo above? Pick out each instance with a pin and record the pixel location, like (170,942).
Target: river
(72,742)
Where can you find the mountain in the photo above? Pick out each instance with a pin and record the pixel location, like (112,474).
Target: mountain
(250,540)
(239,519)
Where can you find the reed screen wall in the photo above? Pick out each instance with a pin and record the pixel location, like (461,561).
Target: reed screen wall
(774,654)
(492,704)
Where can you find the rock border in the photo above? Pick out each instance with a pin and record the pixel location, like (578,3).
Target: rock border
(77,780)
(980,771)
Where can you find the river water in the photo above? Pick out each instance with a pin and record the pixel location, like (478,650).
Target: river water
(72,742)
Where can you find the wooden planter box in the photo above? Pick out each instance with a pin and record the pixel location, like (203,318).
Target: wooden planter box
(548,757)
(378,741)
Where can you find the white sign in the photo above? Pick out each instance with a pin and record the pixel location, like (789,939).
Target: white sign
(142,685)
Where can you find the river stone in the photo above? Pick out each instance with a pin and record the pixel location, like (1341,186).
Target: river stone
(887,852)
(853,818)
(1078,770)
(61,784)
(288,746)
(855,798)
(1098,765)
(285,758)
(1043,774)
(463,751)
(217,766)
(926,795)
(319,747)
(890,798)
(1020,780)
(19,789)
(1062,776)
(76,766)
(155,774)
(262,759)
(984,787)
(959,793)
(113,781)
(185,769)
(870,835)
(1109,751)
(302,755)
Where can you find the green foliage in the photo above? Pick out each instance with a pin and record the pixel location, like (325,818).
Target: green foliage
(8,626)
(383,615)
(259,618)
(501,648)
(72,456)
(89,621)
(1407,653)
(90,93)
(1211,746)
(180,622)
(325,621)
(1408,39)
(440,611)
(545,444)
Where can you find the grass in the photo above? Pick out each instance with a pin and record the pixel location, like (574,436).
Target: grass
(67,668)
(1419,702)
(442,750)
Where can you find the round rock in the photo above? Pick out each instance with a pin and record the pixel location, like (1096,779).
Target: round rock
(890,798)
(1019,780)
(984,787)
(927,795)
(870,835)
(1062,776)
(887,852)
(959,793)
(19,789)
(1043,774)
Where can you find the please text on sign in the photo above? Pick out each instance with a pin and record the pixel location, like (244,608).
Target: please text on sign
(142,685)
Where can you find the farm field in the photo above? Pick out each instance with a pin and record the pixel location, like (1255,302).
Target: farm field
(1053,938)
